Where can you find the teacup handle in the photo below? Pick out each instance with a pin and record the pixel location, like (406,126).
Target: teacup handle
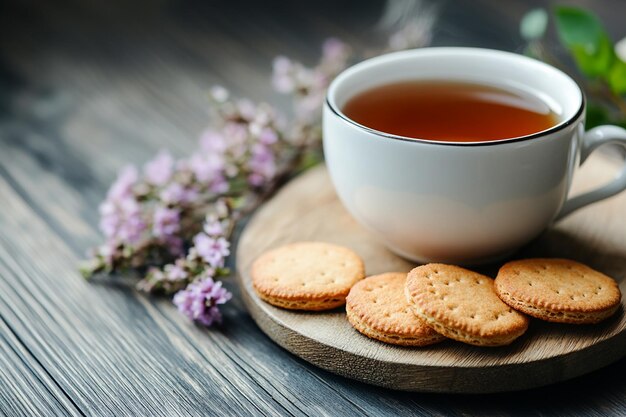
(594,138)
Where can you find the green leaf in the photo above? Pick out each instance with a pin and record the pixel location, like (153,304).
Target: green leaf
(310,159)
(596,116)
(533,25)
(617,77)
(578,27)
(583,34)
(238,202)
(598,63)
(89,267)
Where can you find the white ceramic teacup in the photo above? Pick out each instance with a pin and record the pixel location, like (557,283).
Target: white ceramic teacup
(470,202)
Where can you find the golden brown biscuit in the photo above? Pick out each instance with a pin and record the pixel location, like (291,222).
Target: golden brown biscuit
(307,275)
(377,307)
(558,290)
(462,305)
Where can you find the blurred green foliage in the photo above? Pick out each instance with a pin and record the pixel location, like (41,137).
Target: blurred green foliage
(533,25)
(581,32)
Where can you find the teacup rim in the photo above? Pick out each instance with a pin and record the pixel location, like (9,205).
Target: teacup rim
(448,49)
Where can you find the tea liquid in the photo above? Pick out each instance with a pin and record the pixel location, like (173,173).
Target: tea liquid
(450,111)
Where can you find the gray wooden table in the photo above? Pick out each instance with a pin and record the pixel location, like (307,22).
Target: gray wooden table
(86,87)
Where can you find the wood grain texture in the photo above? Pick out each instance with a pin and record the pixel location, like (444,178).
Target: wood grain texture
(113,351)
(26,387)
(308,210)
(87,87)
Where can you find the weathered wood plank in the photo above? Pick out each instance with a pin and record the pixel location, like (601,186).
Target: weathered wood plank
(94,86)
(47,195)
(51,152)
(56,152)
(50,197)
(27,389)
(110,353)
(243,340)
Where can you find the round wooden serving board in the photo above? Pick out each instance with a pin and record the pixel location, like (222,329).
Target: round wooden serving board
(308,209)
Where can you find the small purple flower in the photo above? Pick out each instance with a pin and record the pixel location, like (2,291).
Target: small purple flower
(333,50)
(107,251)
(159,170)
(213,227)
(268,136)
(246,109)
(109,218)
(231,170)
(175,272)
(121,220)
(200,300)
(219,93)
(303,77)
(235,133)
(282,79)
(123,185)
(200,169)
(261,152)
(206,167)
(177,194)
(263,116)
(221,209)
(211,250)
(212,141)
(166,221)
(219,185)
(132,229)
(282,64)
(172,194)
(256,180)
(255,128)
(307,109)
(190,195)
(261,164)
(155,274)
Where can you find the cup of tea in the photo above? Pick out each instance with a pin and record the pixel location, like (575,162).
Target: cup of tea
(459,155)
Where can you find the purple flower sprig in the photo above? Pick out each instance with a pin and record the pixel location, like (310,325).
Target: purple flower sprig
(152,218)
(308,86)
(172,221)
(200,300)
(193,277)
(205,258)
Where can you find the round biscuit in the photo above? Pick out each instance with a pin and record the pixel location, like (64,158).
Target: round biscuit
(377,307)
(558,290)
(306,275)
(462,305)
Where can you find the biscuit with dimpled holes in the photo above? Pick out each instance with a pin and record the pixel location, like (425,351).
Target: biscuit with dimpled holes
(377,307)
(558,290)
(462,305)
(307,275)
